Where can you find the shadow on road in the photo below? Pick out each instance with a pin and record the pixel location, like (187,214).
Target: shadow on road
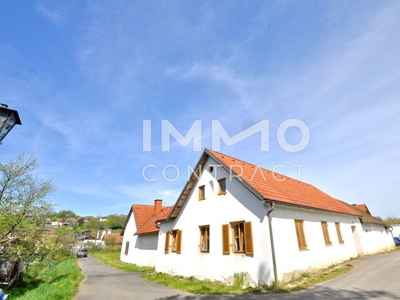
(315,293)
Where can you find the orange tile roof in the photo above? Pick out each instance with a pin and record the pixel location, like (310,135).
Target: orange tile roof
(142,213)
(149,226)
(145,218)
(362,207)
(118,237)
(366,216)
(281,188)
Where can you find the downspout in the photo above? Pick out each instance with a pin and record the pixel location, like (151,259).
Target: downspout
(271,237)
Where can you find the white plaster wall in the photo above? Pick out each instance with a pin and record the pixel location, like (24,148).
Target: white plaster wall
(145,250)
(131,238)
(142,249)
(290,259)
(396,230)
(375,238)
(214,211)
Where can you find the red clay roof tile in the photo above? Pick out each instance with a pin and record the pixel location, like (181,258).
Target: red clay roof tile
(280,188)
(362,207)
(149,225)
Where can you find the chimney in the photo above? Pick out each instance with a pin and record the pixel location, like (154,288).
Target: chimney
(157,206)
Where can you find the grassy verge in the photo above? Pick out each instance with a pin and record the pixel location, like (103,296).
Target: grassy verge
(329,274)
(192,285)
(112,258)
(48,280)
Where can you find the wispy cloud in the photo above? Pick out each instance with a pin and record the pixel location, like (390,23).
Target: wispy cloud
(57,15)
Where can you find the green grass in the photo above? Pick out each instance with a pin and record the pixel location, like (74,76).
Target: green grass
(112,258)
(48,280)
(192,285)
(323,276)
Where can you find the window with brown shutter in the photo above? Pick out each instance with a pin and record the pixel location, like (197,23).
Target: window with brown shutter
(178,241)
(238,236)
(248,238)
(300,234)
(339,234)
(326,233)
(225,239)
(166,247)
(242,237)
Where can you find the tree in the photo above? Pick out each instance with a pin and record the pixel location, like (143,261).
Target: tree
(115,221)
(110,241)
(65,214)
(23,210)
(392,220)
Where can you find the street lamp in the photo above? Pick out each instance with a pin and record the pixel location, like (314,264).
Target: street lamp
(8,118)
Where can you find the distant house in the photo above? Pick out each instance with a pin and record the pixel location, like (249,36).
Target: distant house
(140,233)
(102,231)
(103,219)
(235,217)
(113,240)
(56,223)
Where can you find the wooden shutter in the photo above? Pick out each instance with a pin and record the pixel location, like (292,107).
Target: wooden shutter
(300,234)
(339,234)
(225,239)
(178,241)
(166,247)
(248,238)
(326,233)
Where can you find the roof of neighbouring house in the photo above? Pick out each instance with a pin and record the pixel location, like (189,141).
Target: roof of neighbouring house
(117,236)
(150,225)
(362,207)
(145,218)
(366,216)
(266,185)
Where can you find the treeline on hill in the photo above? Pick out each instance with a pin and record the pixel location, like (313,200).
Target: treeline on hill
(80,223)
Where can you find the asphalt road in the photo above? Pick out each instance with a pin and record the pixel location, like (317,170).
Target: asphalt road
(105,283)
(373,277)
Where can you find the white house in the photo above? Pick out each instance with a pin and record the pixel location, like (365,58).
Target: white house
(376,236)
(396,230)
(233,217)
(140,233)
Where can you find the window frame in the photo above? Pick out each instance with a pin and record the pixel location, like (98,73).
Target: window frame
(239,237)
(339,233)
(301,238)
(242,237)
(126,252)
(174,240)
(221,182)
(202,192)
(204,237)
(325,232)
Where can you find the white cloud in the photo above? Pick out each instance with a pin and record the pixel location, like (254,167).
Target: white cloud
(56,15)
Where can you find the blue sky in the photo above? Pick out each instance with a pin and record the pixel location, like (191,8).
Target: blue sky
(83,76)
